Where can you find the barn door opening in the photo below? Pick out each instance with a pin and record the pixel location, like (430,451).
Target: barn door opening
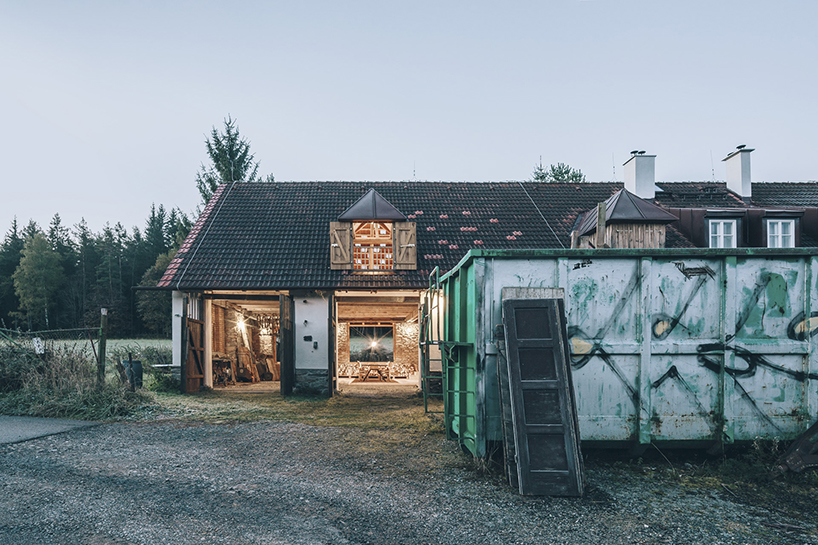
(193,331)
(543,409)
(287,342)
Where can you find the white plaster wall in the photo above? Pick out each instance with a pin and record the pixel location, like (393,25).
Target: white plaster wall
(177,300)
(311,319)
(208,343)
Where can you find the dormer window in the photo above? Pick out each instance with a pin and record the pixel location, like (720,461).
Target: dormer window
(725,228)
(722,233)
(372,246)
(781,233)
(372,237)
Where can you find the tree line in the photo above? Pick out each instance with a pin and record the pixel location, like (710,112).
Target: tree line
(59,277)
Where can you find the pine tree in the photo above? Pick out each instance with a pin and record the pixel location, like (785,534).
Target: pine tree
(559,173)
(10,255)
(231,161)
(37,280)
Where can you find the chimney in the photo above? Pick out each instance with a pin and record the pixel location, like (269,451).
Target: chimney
(738,172)
(640,174)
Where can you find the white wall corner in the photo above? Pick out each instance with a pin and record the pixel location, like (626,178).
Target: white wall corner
(177,303)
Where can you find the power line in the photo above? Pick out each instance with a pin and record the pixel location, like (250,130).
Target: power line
(541,215)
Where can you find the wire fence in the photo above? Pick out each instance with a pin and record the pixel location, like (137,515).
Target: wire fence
(81,341)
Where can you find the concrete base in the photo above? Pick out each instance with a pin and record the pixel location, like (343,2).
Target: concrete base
(311,381)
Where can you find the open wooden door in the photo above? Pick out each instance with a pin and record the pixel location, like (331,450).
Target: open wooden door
(193,334)
(546,431)
(287,343)
(332,346)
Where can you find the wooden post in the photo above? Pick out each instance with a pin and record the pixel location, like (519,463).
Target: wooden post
(103,334)
(600,225)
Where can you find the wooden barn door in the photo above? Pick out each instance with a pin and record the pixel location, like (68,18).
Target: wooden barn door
(332,348)
(287,344)
(546,433)
(193,373)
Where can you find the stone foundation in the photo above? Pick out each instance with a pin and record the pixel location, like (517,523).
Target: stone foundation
(311,381)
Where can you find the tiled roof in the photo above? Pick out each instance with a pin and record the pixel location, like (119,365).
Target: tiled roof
(625,207)
(276,235)
(785,194)
(697,195)
(372,206)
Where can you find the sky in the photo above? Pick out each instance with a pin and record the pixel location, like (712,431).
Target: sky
(106,106)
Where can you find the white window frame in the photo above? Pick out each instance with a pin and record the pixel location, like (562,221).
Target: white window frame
(776,238)
(716,233)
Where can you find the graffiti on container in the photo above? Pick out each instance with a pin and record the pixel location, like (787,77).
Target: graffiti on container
(584,347)
(690,272)
(711,354)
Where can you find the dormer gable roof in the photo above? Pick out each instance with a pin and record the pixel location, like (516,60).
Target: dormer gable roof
(372,206)
(625,207)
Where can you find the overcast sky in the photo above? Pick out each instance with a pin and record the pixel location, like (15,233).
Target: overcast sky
(106,105)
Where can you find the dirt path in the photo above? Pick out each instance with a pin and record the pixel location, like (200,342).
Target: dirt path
(272,482)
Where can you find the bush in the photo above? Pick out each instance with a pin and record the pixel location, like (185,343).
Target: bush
(163,382)
(15,364)
(60,383)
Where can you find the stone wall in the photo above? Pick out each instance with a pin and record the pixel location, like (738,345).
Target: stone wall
(406,344)
(311,381)
(342,343)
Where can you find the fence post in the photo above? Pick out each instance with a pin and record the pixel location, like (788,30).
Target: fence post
(103,334)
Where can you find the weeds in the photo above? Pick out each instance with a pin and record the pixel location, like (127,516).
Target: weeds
(61,382)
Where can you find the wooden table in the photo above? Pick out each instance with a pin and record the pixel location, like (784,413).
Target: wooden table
(372,369)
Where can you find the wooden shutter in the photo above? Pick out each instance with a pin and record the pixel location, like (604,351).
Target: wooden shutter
(340,238)
(404,246)
(546,432)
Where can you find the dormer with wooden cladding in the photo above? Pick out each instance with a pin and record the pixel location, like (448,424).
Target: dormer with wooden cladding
(623,221)
(373,237)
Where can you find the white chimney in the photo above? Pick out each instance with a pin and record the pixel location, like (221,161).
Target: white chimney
(640,174)
(738,172)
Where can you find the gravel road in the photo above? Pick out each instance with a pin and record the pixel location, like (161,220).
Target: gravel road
(271,482)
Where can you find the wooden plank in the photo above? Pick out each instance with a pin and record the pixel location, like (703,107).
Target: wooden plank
(546,433)
(194,366)
(340,234)
(509,451)
(405,245)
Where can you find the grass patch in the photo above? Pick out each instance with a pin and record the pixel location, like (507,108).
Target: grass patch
(217,406)
(743,474)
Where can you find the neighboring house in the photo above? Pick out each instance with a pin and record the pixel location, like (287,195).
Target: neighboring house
(737,213)
(306,274)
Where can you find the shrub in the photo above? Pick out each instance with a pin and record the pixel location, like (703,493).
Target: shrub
(164,382)
(60,383)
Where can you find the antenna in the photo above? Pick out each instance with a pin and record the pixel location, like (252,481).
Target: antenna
(613,165)
(712,168)
(414,177)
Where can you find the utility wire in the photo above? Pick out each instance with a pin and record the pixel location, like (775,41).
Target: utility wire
(541,215)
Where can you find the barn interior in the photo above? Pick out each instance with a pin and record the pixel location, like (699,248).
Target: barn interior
(376,338)
(245,340)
